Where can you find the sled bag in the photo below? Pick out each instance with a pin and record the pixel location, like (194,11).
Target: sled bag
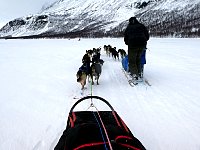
(102,130)
(125,63)
(125,60)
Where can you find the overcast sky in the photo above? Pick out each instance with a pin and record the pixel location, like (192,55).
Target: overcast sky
(11,9)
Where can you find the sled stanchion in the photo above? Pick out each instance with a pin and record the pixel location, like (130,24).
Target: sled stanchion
(91,97)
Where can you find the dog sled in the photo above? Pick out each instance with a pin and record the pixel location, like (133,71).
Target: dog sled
(125,70)
(97,130)
(143,62)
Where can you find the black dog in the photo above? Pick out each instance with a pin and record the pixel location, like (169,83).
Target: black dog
(122,53)
(95,71)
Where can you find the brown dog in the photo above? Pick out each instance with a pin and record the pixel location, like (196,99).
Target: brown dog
(81,78)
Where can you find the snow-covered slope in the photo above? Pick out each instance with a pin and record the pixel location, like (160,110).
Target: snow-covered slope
(72,15)
(178,18)
(100,18)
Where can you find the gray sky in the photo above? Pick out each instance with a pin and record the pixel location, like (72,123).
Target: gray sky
(11,9)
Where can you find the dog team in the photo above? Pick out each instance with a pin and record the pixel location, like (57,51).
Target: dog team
(111,51)
(91,67)
(92,64)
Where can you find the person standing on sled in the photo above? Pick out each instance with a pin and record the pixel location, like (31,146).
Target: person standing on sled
(136,36)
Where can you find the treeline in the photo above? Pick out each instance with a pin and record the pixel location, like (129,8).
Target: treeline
(173,23)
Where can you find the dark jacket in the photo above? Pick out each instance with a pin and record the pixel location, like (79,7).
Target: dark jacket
(86,59)
(136,34)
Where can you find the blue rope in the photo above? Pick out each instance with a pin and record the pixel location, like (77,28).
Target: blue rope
(100,131)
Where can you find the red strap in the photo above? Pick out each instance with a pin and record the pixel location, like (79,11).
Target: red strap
(126,145)
(72,119)
(71,122)
(74,116)
(123,137)
(129,146)
(118,123)
(113,112)
(125,127)
(90,144)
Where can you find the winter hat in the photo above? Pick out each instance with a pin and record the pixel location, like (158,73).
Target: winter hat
(133,20)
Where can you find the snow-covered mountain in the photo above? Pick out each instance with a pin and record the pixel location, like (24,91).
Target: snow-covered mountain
(90,18)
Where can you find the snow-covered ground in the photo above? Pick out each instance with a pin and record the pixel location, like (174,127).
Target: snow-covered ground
(38,83)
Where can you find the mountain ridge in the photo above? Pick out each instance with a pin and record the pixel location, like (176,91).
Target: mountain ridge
(89,18)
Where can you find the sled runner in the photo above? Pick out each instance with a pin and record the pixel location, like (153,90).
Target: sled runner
(125,70)
(97,130)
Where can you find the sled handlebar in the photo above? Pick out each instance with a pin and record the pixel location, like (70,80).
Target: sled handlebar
(91,97)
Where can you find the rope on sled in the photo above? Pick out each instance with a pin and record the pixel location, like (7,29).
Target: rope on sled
(104,128)
(100,131)
(91,103)
(91,92)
